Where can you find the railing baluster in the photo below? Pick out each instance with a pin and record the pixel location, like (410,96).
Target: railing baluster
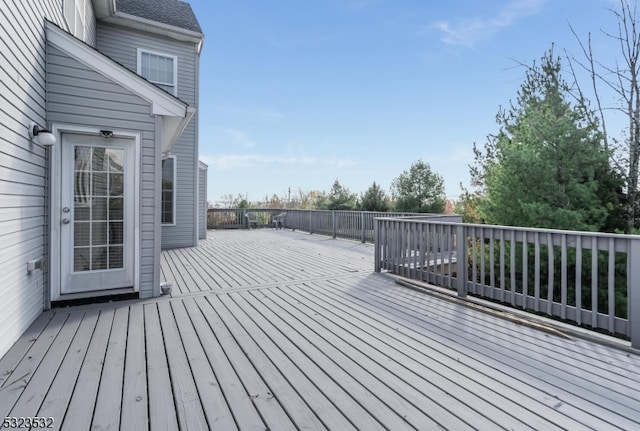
(441,247)
(536,272)
(422,251)
(376,249)
(512,266)
(525,270)
(474,260)
(502,276)
(633,292)
(551,267)
(563,276)
(611,285)
(333,224)
(492,278)
(594,282)
(461,260)
(579,279)
(483,279)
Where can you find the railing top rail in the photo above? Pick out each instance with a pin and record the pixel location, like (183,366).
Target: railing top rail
(393,213)
(515,228)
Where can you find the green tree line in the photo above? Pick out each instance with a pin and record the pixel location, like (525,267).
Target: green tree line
(418,189)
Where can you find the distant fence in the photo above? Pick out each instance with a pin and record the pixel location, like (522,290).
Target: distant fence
(588,278)
(356,225)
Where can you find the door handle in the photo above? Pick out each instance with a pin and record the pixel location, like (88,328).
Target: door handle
(65,221)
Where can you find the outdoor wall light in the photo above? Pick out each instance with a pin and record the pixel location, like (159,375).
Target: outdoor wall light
(41,136)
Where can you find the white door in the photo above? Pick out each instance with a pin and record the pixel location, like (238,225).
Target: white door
(97,216)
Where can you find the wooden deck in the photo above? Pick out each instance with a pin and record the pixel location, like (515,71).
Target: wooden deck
(282,330)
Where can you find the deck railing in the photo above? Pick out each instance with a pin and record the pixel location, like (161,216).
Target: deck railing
(356,225)
(592,279)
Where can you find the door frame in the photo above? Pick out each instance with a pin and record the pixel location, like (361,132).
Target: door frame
(54,211)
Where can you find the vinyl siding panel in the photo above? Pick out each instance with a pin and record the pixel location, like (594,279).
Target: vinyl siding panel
(79,95)
(202,201)
(122,44)
(22,163)
(90,20)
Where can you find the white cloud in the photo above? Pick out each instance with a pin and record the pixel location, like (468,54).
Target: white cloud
(235,161)
(265,115)
(340,163)
(239,138)
(469,32)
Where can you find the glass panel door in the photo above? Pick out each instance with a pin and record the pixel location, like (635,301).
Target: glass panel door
(97,221)
(98,207)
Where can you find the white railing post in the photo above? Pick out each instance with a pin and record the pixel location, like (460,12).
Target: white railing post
(633,292)
(333,224)
(364,236)
(461,260)
(376,245)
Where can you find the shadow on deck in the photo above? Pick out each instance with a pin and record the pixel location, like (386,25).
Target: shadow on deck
(283,330)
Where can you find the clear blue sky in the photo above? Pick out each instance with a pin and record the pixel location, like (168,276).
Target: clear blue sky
(298,93)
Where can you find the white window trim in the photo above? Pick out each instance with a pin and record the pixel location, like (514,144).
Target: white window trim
(162,54)
(175,178)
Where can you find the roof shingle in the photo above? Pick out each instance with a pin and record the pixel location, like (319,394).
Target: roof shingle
(171,12)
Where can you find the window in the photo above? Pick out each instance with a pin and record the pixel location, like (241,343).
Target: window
(168,205)
(159,69)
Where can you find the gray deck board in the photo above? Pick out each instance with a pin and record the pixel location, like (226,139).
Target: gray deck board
(82,403)
(378,340)
(280,388)
(134,392)
(57,399)
(400,381)
(467,345)
(214,404)
(109,401)
(239,403)
(189,406)
(284,330)
(162,411)
(531,359)
(334,406)
(21,375)
(34,392)
(13,358)
(338,365)
(256,389)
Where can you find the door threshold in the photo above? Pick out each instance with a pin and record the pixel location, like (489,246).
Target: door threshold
(75,299)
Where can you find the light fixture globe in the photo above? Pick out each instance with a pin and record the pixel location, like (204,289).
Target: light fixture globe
(41,136)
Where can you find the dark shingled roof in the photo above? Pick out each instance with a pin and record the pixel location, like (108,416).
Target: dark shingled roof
(171,12)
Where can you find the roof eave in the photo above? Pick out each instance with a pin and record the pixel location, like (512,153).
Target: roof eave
(132,21)
(176,113)
(103,8)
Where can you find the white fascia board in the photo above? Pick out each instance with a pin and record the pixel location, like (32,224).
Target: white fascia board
(172,128)
(162,103)
(103,8)
(132,21)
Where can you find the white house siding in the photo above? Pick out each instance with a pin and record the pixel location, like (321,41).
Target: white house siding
(202,201)
(22,163)
(76,94)
(122,44)
(73,10)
